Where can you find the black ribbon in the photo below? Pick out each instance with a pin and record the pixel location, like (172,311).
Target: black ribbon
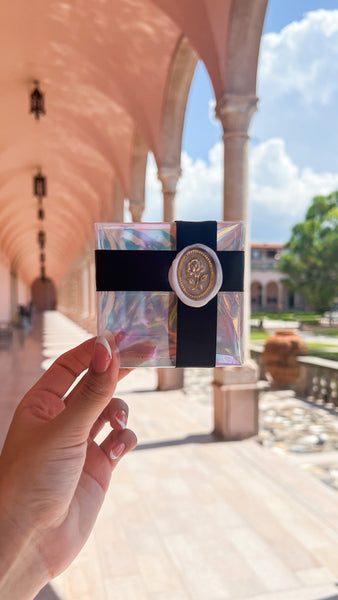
(196,328)
(147,271)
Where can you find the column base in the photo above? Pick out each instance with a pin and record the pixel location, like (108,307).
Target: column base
(170,379)
(236,393)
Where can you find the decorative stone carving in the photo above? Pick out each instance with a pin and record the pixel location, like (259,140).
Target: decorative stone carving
(235,112)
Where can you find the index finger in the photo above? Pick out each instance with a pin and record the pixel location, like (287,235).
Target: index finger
(66,369)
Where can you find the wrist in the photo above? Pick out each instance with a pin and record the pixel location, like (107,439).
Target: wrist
(22,572)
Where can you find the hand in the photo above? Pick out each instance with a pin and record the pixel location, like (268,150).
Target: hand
(53,475)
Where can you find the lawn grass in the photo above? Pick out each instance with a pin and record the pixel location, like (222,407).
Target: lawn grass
(261,336)
(325,355)
(314,345)
(322,331)
(312,318)
(258,336)
(315,348)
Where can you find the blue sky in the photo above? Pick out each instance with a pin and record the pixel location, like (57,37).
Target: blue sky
(294,135)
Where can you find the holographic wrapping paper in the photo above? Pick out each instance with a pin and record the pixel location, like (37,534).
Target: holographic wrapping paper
(144,323)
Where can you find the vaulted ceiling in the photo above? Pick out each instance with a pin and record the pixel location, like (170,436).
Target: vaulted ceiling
(109,72)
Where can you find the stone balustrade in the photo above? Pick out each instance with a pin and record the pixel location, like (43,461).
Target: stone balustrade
(318,379)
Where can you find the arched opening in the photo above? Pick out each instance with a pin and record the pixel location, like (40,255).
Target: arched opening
(43,294)
(200,190)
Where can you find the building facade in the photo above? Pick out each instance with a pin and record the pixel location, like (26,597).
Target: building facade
(268,292)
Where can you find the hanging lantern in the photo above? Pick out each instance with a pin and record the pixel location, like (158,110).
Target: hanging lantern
(41,214)
(39,185)
(41,239)
(42,258)
(37,101)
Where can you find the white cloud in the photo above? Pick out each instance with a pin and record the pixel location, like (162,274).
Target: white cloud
(280,191)
(295,156)
(199,191)
(298,89)
(302,58)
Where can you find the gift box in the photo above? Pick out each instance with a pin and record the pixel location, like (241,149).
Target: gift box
(171,294)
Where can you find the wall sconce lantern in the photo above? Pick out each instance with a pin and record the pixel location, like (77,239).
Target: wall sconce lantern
(39,185)
(41,239)
(37,101)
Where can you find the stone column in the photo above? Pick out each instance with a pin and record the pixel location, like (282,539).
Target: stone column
(169,379)
(235,388)
(138,178)
(136,211)
(169,177)
(118,206)
(14,296)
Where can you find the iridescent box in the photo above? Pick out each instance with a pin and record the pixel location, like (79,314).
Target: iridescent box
(155,327)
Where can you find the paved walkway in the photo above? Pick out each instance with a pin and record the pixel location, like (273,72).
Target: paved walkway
(187,517)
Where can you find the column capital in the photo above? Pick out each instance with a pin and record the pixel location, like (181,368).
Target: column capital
(169,177)
(235,112)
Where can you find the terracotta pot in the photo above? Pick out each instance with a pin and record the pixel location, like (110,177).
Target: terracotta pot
(280,355)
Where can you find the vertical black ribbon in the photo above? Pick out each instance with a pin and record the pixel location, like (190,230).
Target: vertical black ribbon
(196,327)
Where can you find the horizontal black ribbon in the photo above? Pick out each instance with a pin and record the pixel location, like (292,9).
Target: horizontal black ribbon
(147,271)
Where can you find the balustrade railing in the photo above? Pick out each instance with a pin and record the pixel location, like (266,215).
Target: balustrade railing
(318,378)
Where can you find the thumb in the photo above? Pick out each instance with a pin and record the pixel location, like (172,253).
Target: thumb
(92,393)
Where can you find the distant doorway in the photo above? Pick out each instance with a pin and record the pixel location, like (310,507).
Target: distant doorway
(43,294)
(256,295)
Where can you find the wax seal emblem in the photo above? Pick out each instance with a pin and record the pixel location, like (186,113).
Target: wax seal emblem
(196,275)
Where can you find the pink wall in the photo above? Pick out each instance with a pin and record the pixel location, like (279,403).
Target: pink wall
(5,291)
(22,295)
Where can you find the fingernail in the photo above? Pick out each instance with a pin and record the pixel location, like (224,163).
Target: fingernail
(122,417)
(102,355)
(117,450)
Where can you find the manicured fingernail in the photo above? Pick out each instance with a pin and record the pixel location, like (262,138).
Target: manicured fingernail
(117,450)
(122,417)
(102,355)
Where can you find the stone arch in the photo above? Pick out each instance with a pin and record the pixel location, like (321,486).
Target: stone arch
(43,294)
(182,70)
(243,46)
(138,176)
(180,77)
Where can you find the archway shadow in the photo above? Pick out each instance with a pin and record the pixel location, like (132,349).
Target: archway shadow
(200,438)
(47,593)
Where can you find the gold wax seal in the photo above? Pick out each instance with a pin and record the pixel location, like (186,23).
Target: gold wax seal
(196,275)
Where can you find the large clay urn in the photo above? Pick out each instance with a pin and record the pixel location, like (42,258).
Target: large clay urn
(280,355)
